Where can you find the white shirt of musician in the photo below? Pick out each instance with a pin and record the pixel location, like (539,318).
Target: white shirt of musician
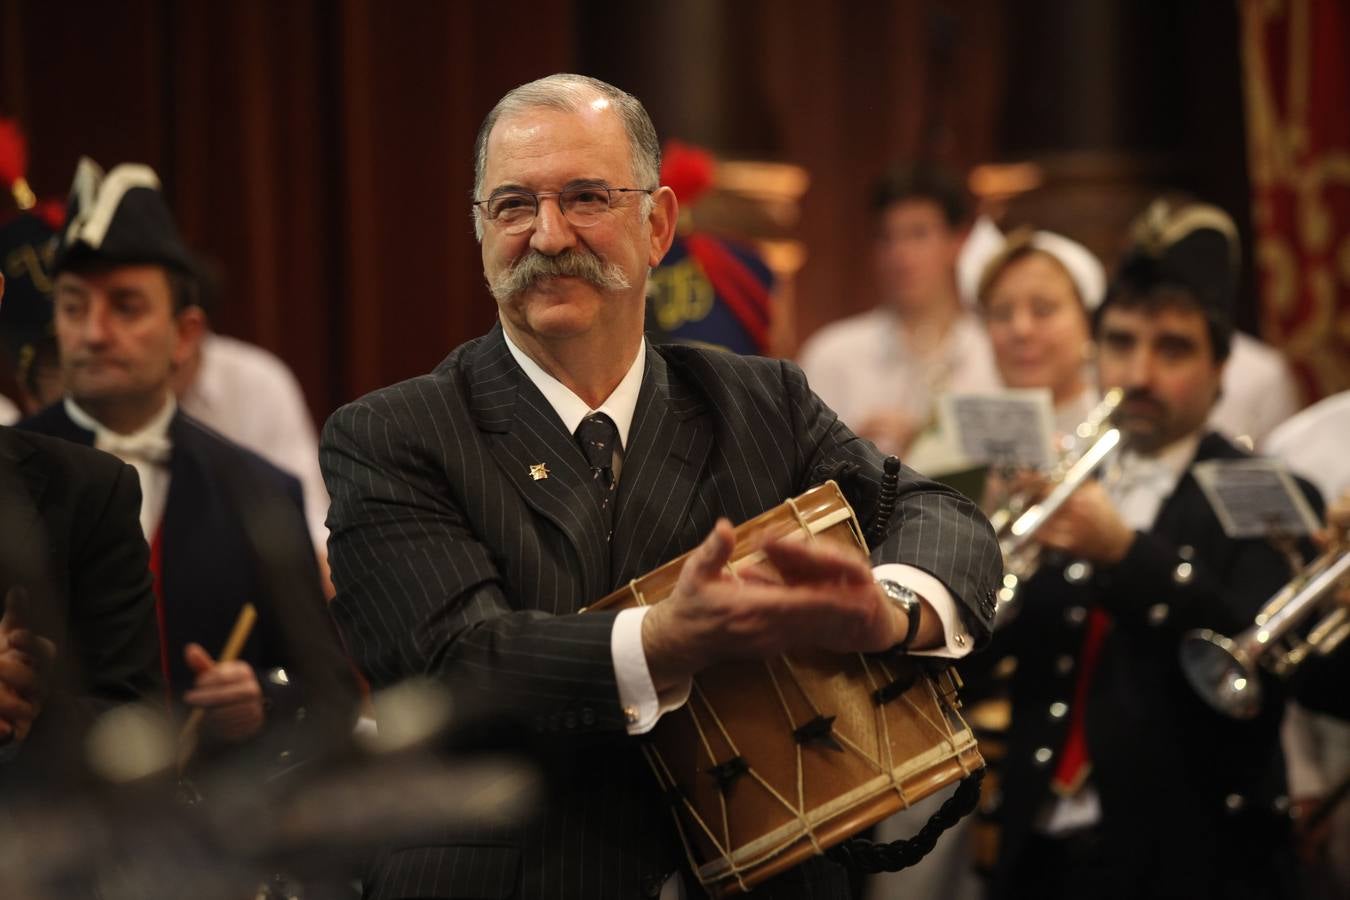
(1138,486)
(642,704)
(147,451)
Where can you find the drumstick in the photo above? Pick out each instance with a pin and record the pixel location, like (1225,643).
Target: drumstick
(187,738)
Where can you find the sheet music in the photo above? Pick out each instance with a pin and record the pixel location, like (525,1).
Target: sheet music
(1008,428)
(1254,498)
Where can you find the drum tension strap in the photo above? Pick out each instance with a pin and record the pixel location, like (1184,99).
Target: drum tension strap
(888,692)
(819,730)
(727,772)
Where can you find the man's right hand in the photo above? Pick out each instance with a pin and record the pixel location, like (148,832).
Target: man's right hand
(228,692)
(25,667)
(815,595)
(1337,529)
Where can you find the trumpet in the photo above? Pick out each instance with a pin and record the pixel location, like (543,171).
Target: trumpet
(1225,671)
(1016,523)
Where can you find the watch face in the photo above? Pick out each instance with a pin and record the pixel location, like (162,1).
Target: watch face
(897,592)
(892,589)
(905,598)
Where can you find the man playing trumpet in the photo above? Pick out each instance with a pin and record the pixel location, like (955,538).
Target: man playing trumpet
(1119,780)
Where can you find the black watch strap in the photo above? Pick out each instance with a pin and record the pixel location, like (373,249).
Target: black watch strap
(909,601)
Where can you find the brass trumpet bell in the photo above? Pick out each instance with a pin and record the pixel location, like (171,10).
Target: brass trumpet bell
(1226,671)
(1222,673)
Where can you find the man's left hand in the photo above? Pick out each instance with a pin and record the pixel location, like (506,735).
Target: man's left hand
(1088,527)
(229,692)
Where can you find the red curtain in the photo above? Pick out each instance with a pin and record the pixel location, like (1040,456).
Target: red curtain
(1296,56)
(320,150)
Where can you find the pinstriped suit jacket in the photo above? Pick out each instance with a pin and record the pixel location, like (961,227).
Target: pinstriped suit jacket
(450,560)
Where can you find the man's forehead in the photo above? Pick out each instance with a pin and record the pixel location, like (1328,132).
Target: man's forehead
(543,142)
(1168,324)
(1169,321)
(909,212)
(116,275)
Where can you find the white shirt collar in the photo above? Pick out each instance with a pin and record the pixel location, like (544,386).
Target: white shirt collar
(147,450)
(157,429)
(619,405)
(1139,485)
(1175,458)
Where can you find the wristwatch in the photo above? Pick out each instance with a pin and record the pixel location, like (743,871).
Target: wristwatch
(908,601)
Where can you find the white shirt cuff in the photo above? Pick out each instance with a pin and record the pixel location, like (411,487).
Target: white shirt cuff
(958,640)
(642,705)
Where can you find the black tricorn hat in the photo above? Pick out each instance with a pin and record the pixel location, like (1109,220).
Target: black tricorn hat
(1193,246)
(27,245)
(119,218)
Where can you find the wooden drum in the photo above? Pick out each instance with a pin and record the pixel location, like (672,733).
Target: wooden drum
(772,761)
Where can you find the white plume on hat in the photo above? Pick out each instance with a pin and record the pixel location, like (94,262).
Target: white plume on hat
(120,218)
(97,197)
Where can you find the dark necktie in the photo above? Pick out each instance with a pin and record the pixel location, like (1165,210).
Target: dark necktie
(598,436)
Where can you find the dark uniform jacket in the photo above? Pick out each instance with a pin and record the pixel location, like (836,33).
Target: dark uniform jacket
(450,560)
(233,531)
(70,537)
(1192,802)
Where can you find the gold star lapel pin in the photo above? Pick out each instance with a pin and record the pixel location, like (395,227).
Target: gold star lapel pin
(539,471)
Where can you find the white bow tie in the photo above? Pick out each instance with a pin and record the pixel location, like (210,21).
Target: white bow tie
(1144,473)
(148,448)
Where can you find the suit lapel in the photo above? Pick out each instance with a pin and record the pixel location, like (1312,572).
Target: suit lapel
(185,488)
(22,484)
(668,446)
(187,502)
(18,453)
(54,421)
(525,433)
(1181,503)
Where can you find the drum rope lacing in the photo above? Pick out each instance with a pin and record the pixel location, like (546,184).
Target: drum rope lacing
(859,854)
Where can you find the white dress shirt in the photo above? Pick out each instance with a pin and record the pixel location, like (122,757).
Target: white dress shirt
(1259,392)
(868,363)
(642,704)
(1074,411)
(252,398)
(1313,444)
(147,451)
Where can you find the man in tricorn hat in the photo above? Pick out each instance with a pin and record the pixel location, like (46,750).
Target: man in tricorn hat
(1120,781)
(77,629)
(126,316)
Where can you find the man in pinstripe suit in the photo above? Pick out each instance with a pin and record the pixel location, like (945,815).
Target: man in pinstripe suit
(469,524)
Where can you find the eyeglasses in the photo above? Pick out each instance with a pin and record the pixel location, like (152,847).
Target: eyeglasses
(515,211)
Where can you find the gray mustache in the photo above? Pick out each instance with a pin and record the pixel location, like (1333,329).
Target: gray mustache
(534,266)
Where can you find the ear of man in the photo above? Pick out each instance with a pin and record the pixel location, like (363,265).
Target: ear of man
(662,221)
(191,326)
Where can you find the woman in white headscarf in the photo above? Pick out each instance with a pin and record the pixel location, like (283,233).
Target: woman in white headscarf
(1037,296)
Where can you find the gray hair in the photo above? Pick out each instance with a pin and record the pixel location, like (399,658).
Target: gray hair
(569,93)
